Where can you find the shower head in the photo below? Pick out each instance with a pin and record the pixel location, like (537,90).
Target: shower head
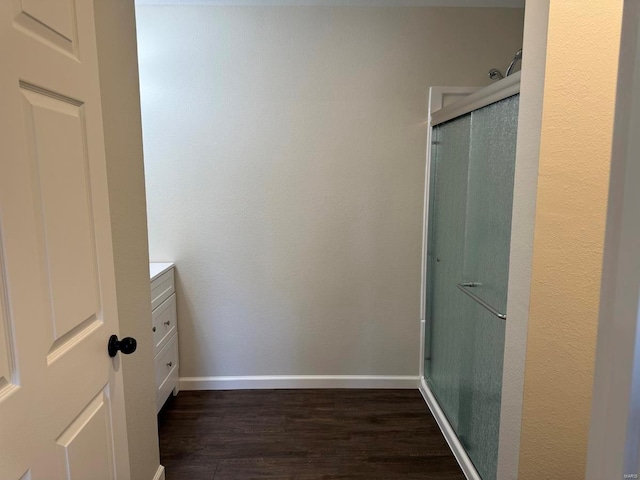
(516,58)
(495,74)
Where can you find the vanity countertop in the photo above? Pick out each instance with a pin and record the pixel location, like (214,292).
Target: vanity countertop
(157,269)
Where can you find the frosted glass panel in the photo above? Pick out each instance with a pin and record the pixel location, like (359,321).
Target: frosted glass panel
(471,197)
(448,210)
(481,387)
(489,200)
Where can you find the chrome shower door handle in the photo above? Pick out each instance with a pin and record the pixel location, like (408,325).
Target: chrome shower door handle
(463,287)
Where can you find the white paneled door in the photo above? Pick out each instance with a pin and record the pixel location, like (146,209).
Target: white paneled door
(61,399)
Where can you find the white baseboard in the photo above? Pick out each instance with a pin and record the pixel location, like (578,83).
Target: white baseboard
(159,473)
(449,434)
(298,381)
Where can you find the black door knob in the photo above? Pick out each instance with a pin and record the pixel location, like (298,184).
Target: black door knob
(127,345)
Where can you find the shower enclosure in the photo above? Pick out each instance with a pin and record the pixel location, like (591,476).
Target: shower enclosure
(468,233)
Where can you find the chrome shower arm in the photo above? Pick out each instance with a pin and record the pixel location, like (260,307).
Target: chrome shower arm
(517,58)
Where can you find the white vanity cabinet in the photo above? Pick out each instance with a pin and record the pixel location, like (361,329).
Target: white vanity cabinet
(165,330)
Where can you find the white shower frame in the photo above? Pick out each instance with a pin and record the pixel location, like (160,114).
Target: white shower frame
(447,103)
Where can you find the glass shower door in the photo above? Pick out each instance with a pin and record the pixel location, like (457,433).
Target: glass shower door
(468,262)
(446,318)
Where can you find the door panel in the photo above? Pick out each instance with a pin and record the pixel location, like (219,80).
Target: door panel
(84,449)
(6,337)
(65,409)
(53,22)
(56,15)
(56,143)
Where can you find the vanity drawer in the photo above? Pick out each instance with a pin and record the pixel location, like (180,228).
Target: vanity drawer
(164,323)
(166,362)
(162,288)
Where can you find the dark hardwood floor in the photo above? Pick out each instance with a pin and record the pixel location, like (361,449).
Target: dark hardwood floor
(302,435)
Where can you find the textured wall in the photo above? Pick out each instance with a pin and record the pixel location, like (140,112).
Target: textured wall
(285,152)
(575,154)
(116,32)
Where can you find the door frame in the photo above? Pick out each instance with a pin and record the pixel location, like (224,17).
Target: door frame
(614,435)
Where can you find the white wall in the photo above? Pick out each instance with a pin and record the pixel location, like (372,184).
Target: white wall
(285,152)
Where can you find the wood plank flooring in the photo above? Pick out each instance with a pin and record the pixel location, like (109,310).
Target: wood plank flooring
(303,435)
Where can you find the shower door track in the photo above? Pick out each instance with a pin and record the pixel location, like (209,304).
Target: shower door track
(495,92)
